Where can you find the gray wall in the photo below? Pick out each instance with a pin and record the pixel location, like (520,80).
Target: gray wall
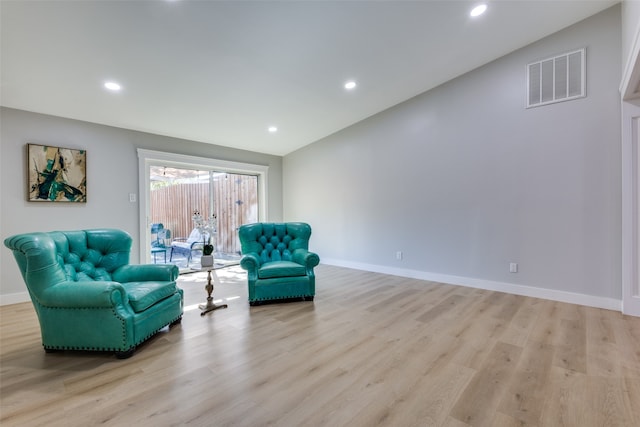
(464,180)
(112,173)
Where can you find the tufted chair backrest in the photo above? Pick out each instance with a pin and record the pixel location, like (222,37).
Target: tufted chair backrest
(52,257)
(274,241)
(91,254)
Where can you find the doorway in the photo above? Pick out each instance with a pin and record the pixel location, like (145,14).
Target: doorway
(176,193)
(172,186)
(631,210)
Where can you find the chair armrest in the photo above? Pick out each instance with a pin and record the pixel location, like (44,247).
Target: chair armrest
(306,258)
(84,294)
(185,240)
(145,273)
(251,263)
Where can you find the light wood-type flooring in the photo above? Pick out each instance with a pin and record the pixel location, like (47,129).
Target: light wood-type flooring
(371,350)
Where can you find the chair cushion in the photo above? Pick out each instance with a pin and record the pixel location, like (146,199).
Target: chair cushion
(182,245)
(281,269)
(143,295)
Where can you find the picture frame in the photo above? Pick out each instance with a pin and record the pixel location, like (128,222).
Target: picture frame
(56,174)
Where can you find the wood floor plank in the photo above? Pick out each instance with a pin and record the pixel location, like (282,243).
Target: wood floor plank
(567,399)
(525,397)
(627,333)
(522,323)
(601,346)
(452,422)
(503,420)
(427,402)
(632,395)
(546,330)
(481,397)
(607,398)
(572,353)
(489,317)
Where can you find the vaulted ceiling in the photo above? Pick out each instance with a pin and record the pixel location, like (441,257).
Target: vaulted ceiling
(223,72)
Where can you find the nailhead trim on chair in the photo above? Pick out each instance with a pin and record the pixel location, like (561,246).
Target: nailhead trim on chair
(292,296)
(82,348)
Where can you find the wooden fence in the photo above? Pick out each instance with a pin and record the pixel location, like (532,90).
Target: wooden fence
(235,203)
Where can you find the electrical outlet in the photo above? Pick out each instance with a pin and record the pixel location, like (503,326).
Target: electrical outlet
(132,197)
(399,255)
(513,267)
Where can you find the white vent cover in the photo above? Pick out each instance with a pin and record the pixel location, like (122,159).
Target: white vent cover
(556,79)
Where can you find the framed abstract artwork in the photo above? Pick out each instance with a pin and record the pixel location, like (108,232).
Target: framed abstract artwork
(57,174)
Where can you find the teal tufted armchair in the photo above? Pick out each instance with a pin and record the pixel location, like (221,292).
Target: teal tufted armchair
(278,262)
(86,294)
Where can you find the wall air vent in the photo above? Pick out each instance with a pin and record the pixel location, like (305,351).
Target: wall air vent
(556,79)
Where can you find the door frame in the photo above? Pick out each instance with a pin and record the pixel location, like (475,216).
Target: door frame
(148,158)
(630,95)
(630,209)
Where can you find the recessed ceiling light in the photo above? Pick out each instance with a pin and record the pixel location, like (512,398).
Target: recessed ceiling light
(272,129)
(478,10)
(350,85)
(112,86)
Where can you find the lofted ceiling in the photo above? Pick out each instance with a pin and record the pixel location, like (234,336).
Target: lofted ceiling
(222,72)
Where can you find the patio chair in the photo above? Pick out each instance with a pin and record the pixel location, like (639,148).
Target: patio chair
(155,229)
(186,245)
(159,244)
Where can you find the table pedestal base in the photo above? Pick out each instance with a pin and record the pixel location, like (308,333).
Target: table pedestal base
(210,306)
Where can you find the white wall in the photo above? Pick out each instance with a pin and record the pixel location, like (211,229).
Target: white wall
(630,27)
(464,180)
(630,84)
(112,173)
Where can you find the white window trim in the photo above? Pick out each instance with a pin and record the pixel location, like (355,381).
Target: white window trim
(148,158)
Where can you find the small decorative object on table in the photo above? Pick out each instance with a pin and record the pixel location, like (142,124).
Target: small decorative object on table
(208,229)
(206,261)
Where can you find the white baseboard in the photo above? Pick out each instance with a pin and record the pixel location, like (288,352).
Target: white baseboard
(490,285)
(16,298)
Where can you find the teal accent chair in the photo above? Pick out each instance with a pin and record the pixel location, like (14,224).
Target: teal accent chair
(278,262)
(86,294)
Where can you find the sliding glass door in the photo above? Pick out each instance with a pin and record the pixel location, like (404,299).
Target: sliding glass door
(173,186)
(175,193)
